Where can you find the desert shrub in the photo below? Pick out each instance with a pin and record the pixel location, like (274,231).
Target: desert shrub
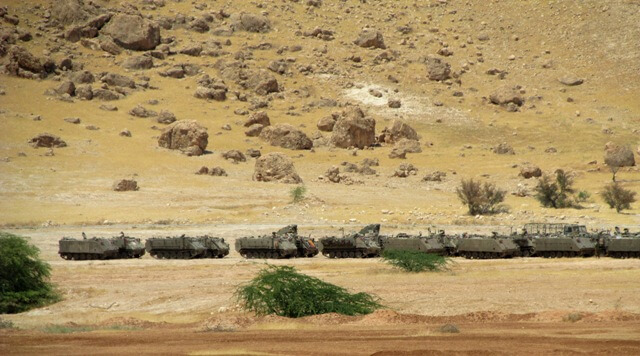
(617,197)
(572,317)
(480,198)
(282,291)
(556,193)
(583,196)
(449,329)
(24,277)
(6,324)
(297,193)
(415,261)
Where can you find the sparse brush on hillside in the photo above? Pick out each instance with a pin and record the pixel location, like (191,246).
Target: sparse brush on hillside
(24,277)
(481,198)
(282,291)
(415,261)
(298,193)
(617,197)
(557,193)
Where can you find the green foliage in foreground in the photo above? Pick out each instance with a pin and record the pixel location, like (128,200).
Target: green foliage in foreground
(24,277)
(415,261)
(297,193)
(282,291)
(6,324)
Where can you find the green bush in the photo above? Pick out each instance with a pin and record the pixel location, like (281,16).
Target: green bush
(24,277)
(297,193)
(6,324)
(556,193)
(282,291)
(618,197)
(415,261)
(481,198)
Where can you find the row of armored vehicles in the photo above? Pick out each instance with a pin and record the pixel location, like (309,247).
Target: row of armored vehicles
(535,240)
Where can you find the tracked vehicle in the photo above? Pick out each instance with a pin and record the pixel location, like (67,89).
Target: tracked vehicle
(622,247)
(128,247)
(95,248)
(306,246)
(273,246)
(181,247)
(482,247)
(560,240)
(426,244)
(215,247)
(358,245)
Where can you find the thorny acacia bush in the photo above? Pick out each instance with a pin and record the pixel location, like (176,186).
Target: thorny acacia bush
(282,291)
(481,198)
(415,261)
(556,193)
(297,193)
(617,197)
(24,277)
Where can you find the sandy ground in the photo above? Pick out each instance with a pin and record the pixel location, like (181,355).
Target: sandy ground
(155,306)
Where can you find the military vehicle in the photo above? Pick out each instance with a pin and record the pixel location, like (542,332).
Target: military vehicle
(483,247)
(216,247)
(128,247)
(560,240)
(306,245)
(95,248)
(427,244)
(357,245)
(525,243)
(273,246)
(622,246)
(181,247)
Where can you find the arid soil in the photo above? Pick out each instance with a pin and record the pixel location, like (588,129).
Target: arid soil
(159,306)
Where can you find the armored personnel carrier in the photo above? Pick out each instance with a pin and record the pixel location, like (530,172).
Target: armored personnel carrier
(216,247)
(560,240)
(181,247)
(358,245)
(622,246)
(482,247)
(95,248)
(306,246)
(128,247)
(273,246)
(427,244)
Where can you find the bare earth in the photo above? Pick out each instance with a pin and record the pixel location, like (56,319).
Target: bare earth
(158,306)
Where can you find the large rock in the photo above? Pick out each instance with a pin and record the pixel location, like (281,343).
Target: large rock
(326,123)
(133,32)
(187,136)
(24,64)
(69,11)
(618,156)
(286,136)
(353,129)
(437,69)
(250,22)
(507,94)
(276,167)
(118,80)
(47,140)
(530,172)
(125,185)
(262,82)
(259,117)
(398,130)
(408,145)
(138,63)
(370,39)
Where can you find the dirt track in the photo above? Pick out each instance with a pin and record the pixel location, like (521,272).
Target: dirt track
(149,305)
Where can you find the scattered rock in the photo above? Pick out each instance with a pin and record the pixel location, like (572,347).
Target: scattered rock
(353,129)
(217,172)
(132,32)
(187,136)
(84,92)
(107,107)
(166,117)
(398,130)
(530,172)
(67,87)
(618,156)
(125,185)
(73,120)
(82,77)
(449,329)
(252,152)
(24,64)
(259,117)
(138,63)
(125,133)
(398,153)
(571,80)
(408,145)
(333,174)
(118,80)
(437,69)
(250,23)
(370,39)
(47,140)
(276,167)
(504,149)
(435,176)
(507,94)
(140,111)
(234,155)
(286,136)
(405,170)
(254,130)
(394,103)
(326,123)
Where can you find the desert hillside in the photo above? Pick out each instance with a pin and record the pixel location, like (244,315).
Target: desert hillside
(455,89)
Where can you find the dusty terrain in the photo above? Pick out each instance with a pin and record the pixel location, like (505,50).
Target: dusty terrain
(149,306)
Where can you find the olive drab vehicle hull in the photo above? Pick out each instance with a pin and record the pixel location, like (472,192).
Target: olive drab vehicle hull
(215,247)
(362,244)
(175,247)
(306,246)
(488,247)
(95,248)
(625,247)
(128,247)
(266,247)
(424,244)
(563,247)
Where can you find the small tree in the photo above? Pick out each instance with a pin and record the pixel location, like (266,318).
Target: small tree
(480,198)
(24,277)
(617,197)
(555,193)
(415,261)
(297,193)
